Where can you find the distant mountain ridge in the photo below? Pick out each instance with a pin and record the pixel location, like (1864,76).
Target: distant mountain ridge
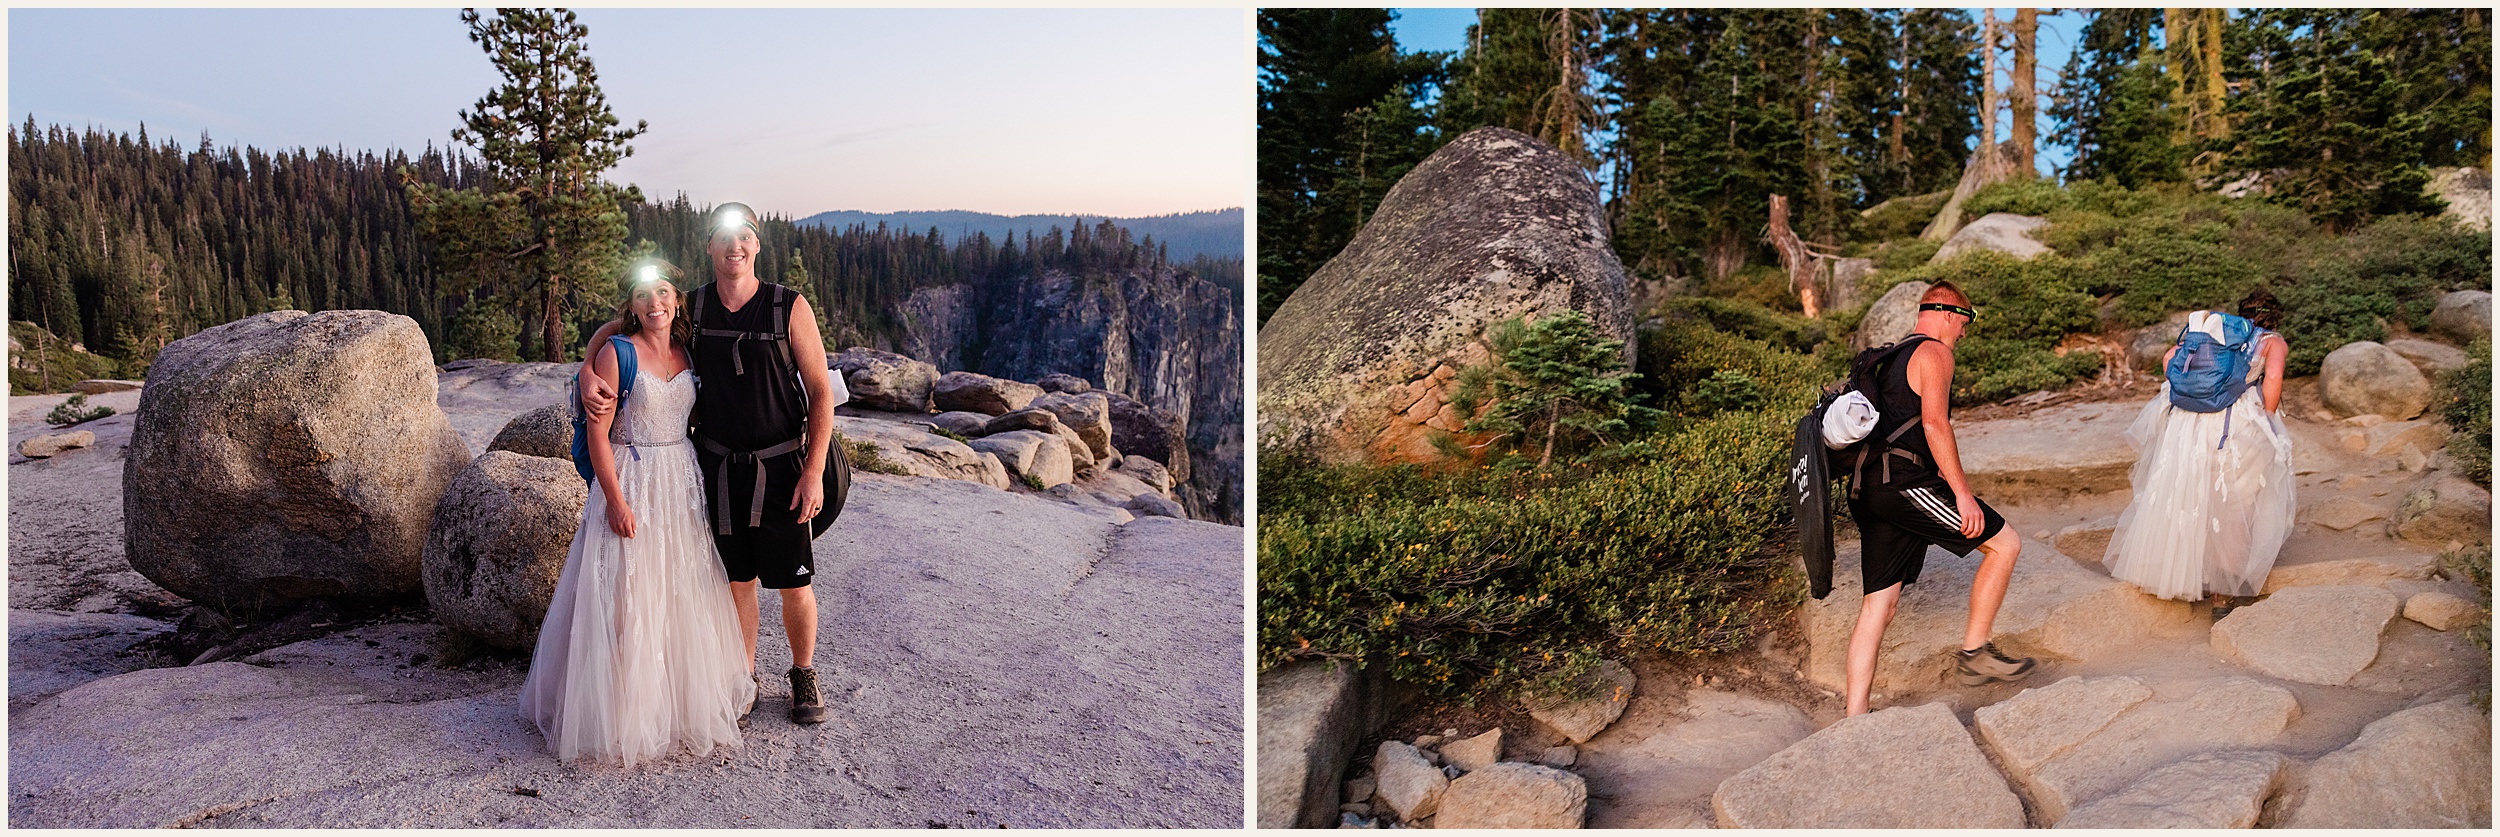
(1215,232)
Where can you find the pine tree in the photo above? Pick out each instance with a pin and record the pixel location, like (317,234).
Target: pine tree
(545,227)
(1338,123)
(2112,42)
(2325,121)
(1554,384)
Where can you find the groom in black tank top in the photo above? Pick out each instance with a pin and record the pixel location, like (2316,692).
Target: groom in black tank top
(756,428)
(1908,492)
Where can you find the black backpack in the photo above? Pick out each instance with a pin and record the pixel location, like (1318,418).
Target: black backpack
(837,459)
(1811,463)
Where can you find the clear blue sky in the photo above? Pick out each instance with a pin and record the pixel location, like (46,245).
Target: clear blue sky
(1441,29)
(794,111)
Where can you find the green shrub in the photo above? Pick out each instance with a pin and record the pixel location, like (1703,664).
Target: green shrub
(1906,253)
(1763,285)
(43,352)
(2465,404)
(2395,270)
(1034,482)
(1901,217)
(866,456)
(75,411)
(2157,267)
(1483,590)
(1726,390)
(1753,322)
(2021,196)
(2025,309)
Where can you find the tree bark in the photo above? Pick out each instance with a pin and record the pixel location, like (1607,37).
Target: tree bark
(2026,92)
(1988,103)
(1800,262)
(1979,173)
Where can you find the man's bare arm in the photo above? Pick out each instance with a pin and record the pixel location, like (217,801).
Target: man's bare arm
(599,396)
(808,347)
(1931,376)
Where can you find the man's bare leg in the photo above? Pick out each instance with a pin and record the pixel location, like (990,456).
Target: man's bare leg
(798,617)
(750,615)
(1987,591)
(1874,613)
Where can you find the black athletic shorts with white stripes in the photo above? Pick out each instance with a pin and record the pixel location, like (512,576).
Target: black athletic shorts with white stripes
(1896,524)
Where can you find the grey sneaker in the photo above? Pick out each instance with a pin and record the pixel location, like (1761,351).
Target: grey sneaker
(807,705)
(1987,664)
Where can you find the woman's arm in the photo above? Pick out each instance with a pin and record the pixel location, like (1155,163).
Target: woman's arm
(602,454)
(2274,352)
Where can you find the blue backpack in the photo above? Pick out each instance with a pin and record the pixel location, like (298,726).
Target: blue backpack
(625,368)
(2208,376)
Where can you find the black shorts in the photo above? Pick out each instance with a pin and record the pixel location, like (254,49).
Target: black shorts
(1897,524)
(782,550)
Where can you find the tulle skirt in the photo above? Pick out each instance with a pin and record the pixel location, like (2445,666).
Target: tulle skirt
(640,656)
(2210,512)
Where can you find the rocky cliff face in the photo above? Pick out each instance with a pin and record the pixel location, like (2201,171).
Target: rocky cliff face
(1161,335)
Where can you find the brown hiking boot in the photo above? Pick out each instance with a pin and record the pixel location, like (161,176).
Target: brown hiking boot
(807,704)
(1987,664)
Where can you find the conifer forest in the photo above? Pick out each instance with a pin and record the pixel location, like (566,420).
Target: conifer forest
(1691,119)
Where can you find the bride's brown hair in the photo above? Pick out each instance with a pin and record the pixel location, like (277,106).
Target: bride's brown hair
(680,327)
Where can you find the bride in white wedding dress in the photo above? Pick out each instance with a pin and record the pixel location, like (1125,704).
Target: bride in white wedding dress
(640,656)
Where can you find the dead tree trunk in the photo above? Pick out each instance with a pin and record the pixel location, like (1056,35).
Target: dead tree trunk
(1802,264)
(2026,91)
(1982,170)
(1988,102)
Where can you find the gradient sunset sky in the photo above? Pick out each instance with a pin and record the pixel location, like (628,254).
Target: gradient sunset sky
(795,111)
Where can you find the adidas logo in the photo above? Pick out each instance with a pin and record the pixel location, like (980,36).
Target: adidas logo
(802,571)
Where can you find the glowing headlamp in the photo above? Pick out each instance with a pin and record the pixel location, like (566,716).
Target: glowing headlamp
(649,273)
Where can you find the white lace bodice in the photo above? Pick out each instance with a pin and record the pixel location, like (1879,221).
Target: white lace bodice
(655,413)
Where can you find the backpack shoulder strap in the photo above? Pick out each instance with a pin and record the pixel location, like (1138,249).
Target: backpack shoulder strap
(626,365)
(781,325)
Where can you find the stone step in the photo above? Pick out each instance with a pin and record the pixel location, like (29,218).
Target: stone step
(2057,451)
(2054,606)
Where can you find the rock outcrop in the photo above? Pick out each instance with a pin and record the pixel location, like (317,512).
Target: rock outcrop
(2430,357)
(977,393)
(1409,783)
(2442,611)
(2321,635)
(2000,232)
(2463,315)
(2442,508)
(2365,378)
(1905,767)
(1514,795)
(1311,717)
(546,431)
(287,456)
(2207,790)
(2425,767)
(2467,191)
(55,444)
(1356,365)
(1893,316)
(885,380)
(1598,699)
(2054,606)
(498,545)
(2083,738)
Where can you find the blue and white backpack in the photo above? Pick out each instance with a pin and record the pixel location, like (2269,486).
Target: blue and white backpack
(625,368)
(2208,375)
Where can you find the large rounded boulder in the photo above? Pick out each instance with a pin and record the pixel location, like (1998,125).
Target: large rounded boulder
(546,431)
(1357,364)
(2366,378)
(1891,318)
(288,456)
(2463,315)
(885,380)
(1138,430)
(498,545)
